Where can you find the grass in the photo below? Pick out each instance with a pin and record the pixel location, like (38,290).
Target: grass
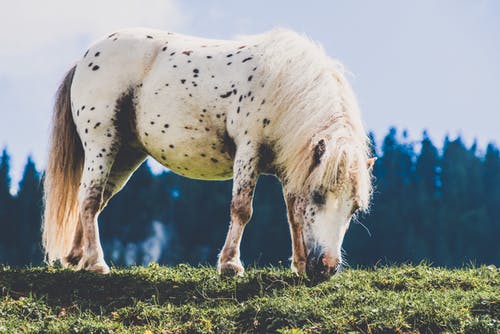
(184,299)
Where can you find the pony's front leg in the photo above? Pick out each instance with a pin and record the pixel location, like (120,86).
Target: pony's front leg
(244,180)
(295,207)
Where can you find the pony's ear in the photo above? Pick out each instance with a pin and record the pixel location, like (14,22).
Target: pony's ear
(370,162)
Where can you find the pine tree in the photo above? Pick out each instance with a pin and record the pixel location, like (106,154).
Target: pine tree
(491,177)
(426,199)
(28,205)
(389,219)
(6,209)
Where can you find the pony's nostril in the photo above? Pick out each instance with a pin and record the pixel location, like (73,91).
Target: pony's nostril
(321,267)
(329,261)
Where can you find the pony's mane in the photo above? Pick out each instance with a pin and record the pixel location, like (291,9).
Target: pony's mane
(315,102)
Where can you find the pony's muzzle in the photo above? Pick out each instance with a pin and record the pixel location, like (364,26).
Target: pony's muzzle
(321,266)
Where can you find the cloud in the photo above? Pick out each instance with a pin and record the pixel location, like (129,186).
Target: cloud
(28,25)
(39,42)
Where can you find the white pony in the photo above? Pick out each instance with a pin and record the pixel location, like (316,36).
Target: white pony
(212,110)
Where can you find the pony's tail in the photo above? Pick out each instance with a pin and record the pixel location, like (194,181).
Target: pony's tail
(62,177)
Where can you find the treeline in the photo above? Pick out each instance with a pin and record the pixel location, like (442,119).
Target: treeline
(429,204)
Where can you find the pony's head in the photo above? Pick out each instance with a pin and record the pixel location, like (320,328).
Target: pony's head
(322,150)
(338,185)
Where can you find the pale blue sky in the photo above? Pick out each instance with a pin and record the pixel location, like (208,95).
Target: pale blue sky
(420,64)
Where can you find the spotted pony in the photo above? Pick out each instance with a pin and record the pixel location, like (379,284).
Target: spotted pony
(210,110)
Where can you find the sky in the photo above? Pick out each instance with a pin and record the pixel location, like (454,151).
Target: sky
(416,64)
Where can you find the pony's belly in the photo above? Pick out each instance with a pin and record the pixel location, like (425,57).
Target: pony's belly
(197,157)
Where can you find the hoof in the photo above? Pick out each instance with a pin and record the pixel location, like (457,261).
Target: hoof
(230,268)
(93,264)
(73,258)
(99,268)
(299,267)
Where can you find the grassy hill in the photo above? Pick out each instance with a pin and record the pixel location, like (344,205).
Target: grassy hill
(183,299)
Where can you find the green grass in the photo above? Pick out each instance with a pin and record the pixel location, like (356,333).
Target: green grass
(183,299)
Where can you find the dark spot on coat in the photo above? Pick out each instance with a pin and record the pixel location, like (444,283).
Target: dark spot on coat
(95,67)
(319,150)
(187,52)
(149,36)
(265,122)
(125,118)
(97,124)
(214,160)
(97,54)
(250,78)
(209,57)
(318,198)
(164,48)
(229,55)
(227,94)
(246,59)
(183,81)
(228,145)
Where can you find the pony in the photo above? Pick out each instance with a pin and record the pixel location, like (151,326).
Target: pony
(272,103)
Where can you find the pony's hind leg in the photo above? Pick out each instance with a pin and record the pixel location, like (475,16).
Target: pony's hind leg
(126,162)
(90,198)
(244,181)
(101,138)
(76,252)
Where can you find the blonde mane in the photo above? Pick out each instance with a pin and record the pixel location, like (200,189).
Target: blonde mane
(315,103)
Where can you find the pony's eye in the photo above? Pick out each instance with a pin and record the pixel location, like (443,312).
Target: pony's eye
(318,198)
